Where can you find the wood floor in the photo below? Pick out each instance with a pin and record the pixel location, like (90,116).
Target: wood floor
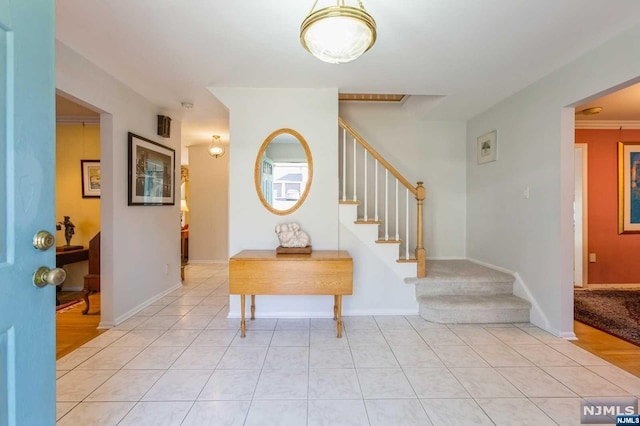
(74,329)
(617,351)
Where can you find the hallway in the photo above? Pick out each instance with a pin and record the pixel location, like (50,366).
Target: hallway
(180,361)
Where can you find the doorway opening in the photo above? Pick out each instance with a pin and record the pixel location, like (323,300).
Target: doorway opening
(77,216)
(601,260)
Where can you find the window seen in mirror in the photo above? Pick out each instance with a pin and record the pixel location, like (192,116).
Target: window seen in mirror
(289,180)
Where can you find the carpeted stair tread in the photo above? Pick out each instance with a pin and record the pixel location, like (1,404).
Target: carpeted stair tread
(460,270)
(461,277)
(496,301)
(464,288)
(464,292)
(478,309)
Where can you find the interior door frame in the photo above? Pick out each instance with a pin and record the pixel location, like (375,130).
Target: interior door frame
(581,216)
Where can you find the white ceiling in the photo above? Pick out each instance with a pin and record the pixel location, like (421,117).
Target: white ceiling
(465,55)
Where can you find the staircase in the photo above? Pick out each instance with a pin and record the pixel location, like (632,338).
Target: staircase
(378,206)
(460,291)
(382,198)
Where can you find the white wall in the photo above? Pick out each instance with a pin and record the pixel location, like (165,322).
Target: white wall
(208,206)
(428,151)
(534,236)
(254,114)
(137,241)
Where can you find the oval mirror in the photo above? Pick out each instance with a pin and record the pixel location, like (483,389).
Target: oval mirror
(283,171)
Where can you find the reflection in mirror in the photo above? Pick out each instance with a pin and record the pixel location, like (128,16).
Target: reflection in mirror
(283,171)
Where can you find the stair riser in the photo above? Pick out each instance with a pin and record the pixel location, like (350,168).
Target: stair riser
(473,316)
(368,234)
(463,288)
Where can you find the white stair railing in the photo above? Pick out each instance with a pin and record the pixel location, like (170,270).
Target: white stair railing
(402,220)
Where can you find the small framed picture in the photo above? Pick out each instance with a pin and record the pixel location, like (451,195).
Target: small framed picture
(90,172)
(488,147)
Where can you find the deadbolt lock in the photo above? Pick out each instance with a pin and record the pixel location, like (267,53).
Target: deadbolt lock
(43,240)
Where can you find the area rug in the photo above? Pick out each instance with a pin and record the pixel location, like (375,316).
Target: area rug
(616,312)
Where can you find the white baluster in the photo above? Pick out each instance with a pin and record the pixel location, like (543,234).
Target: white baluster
(397,236)
(355,198)
(366,216)
(344,165)
(386,204)
(375,190)
(406,235)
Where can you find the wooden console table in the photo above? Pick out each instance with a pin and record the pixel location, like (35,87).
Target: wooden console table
(65,257)
(323,272)
(69,254)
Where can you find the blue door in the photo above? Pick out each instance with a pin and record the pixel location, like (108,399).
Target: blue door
(27,178)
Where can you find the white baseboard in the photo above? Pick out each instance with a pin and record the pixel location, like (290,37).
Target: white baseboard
(207,262)
(325,314)
(626,286)
(72,288)
(445,258)
(105,325)
(520,289)
(569,335)
(381,312)
(536,317)
(489,265)
(141,306)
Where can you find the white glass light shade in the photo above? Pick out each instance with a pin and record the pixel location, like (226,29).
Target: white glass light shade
(216,149)
(338,34)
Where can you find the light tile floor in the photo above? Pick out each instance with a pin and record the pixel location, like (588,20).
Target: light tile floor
(180,361)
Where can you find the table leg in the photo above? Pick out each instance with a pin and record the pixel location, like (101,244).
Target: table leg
(253,307)
(339,315)
(242,323)
(335,307)
(85,296)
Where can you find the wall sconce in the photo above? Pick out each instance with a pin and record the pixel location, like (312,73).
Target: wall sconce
(216,149)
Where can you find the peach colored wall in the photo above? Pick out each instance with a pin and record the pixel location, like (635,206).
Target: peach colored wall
(617,255)
(75,142)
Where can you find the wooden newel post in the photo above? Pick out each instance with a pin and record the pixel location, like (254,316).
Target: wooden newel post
(421,253)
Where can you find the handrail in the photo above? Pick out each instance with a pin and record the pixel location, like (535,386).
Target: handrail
(418,191)
(379,157)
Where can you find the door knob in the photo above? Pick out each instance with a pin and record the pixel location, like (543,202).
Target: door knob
(44,276)
(43,240)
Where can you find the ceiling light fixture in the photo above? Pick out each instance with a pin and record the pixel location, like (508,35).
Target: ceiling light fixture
(216,149)
(591,111)
(338,34)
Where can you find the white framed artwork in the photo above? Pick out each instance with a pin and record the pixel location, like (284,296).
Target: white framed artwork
(488,147)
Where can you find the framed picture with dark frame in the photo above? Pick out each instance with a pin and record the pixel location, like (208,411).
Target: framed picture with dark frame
(628,187)
(90,172)
(151,172)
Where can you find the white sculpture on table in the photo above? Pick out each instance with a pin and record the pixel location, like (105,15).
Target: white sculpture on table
(290,235)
